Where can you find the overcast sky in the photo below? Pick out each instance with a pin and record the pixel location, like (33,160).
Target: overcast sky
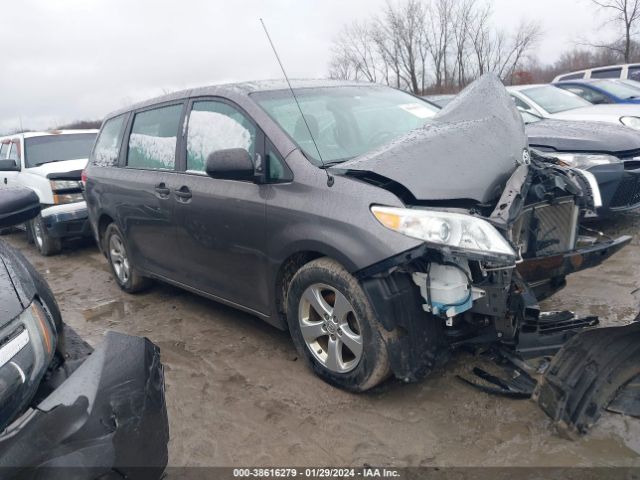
(79,59)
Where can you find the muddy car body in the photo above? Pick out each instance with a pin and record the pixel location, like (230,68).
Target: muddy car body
(65,409)
(378,231)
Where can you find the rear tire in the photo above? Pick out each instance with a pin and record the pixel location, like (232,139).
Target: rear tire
(334,327)
(45,243)
(126,275)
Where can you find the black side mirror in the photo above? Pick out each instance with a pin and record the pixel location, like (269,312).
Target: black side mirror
(9,166)
(18,205)
(230,164)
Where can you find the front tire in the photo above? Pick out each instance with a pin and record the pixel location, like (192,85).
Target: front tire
(334,327)
(126,275)
(45,243)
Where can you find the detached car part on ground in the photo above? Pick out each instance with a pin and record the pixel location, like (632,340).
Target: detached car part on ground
(50,164)
(67,411)
(381,233)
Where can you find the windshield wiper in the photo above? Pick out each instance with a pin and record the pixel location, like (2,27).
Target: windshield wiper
(51,161)
(333,163)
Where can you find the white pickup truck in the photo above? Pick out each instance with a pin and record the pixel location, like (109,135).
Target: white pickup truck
(50,163)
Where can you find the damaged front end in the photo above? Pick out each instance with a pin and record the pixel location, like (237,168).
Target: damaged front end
(505,238)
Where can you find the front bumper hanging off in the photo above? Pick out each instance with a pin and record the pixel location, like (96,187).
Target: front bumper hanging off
(67,220)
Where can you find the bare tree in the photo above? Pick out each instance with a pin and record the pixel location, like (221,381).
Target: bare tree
(354,55)
(627,14)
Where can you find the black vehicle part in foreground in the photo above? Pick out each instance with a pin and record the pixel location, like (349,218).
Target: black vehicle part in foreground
(65,410)
(597,369)
(110,411)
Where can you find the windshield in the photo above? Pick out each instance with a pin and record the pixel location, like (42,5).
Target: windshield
(554,99)
(345,121)
(618,89)
(55,148)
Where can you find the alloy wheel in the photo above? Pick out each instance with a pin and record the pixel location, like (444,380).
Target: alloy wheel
(119,259)
(330,328)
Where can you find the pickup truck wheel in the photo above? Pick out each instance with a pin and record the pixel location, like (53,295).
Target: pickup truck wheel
(334,328)
(125,274)
(45,243)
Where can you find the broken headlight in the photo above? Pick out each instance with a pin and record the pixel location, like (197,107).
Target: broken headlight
(455,230)
(586,160)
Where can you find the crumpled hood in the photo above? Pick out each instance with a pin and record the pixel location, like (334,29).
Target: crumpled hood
(56,167)
(570,136)
(468,151)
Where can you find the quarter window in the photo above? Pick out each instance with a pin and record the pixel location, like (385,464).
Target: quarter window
(105,153)
(4,149)
(216,126)
(152,143)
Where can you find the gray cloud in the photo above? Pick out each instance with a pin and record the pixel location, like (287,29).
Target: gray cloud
(78,59)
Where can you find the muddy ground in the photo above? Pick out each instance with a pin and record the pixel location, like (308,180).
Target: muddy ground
(238,395)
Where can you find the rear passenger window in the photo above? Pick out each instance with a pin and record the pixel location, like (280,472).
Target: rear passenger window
(216,126)
(107,148)
(152,143)
(608,73)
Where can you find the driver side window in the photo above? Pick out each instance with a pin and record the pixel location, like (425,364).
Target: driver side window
(213,126)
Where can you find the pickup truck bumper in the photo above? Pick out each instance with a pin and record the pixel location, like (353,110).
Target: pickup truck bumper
(68,220)
(108,419)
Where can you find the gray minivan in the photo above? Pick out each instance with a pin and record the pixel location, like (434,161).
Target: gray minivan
(380,232)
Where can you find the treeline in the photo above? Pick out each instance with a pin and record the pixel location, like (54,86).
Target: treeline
(440,46)
(430,46)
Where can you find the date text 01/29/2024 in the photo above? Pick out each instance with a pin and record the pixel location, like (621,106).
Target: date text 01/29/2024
(368,472)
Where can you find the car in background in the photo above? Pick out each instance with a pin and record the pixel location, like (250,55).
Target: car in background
(549,101)
(376,229)
(67,411)
(626,71)
(603,91)
(50,163)
(610,152)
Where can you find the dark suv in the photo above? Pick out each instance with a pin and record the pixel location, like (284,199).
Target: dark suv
(378,231)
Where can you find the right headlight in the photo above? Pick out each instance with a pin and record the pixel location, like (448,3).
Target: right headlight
(585,160)
(456,231)
(633,122)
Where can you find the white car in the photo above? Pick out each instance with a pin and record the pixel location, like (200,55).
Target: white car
(50,163)
(624,71)
(548,101)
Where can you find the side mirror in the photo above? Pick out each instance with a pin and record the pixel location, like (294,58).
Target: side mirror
(230,164)
(9,166)
(18,205)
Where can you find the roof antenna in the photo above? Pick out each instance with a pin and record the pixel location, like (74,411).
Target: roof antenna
(293,93)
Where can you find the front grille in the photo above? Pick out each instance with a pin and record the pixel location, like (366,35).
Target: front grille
(628,192)
(546,229)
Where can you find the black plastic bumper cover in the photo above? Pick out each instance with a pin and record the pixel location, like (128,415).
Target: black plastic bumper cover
(107,420)
(596,369)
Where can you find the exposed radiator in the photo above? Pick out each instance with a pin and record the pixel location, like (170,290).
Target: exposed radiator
(546,229)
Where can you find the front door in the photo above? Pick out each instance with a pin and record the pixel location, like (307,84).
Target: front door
(221,223)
